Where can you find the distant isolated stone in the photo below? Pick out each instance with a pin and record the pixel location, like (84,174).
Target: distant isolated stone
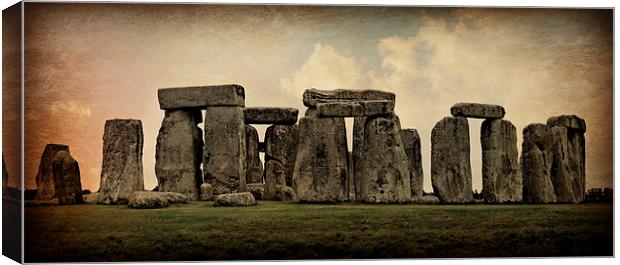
(450,164)
(356,109)
(66,174)
(536,161)
(569,121)
(501,172)
(476,110)
(568,169)
(45,180)
(320,173)
(280,154)
(201,96)
(411,143)
(254,166)
(383,167)
(268,115)
(206,192)
(121,172)
(235,199)
(313,96)
(178,152)
(224,149)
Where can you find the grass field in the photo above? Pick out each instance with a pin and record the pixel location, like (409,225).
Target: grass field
(279,230)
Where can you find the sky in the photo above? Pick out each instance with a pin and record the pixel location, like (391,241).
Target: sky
(86,63)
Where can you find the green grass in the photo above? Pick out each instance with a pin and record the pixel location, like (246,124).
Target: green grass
(279,230)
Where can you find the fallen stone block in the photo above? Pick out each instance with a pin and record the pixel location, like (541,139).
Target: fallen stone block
(235,199)
(355,108)
(257,190)
(155,199)
(201,96)
(476,110)
(313,96)
(268,115)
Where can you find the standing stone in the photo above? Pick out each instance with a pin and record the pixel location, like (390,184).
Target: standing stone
(350,177)
(45,179)
(254,167)
(536,161)
(66,175)
(121,172)
(501,173)
(411,142)
(383,170)
(568,169)
(178,152)
(280,153)
(206,192)
(224,149)
(358,144)
(320,173)
(450,164)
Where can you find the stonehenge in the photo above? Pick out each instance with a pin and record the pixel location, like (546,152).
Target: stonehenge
(121,170)
(308,160)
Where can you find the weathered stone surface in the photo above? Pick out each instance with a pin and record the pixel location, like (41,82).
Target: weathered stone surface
(476,110)
(355,108)
(320,173)
(313,96)
(284,193)
(155,199)
(536,161)
(121,172)
(501,172)
(178,153)
(269,115)
(235,199)
(426,199)
(358,144)
(45,179)
(201,96)
(66,175)
(350,177)
(257,190)
(383,167)
(450,163)
(569,121)
(280,154)
(254,166)
(568,168)
(224,149)
(411,143)
(206,192)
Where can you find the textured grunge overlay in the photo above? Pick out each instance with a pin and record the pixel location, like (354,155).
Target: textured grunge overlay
(86,63)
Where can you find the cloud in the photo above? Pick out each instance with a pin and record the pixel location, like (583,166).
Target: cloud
(70,107)
(325,68)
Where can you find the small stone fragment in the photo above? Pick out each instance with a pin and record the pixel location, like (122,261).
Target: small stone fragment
(501,172)
(280,155)
(206,192)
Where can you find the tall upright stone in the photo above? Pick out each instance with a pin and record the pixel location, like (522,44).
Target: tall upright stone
(66,175)
(411,143)
(224,149)
(320,173)
(450,162)
(121,172)
(536,162)
(178,153)
(45,179)
(501,172)
(254,166)
(280,154)
(568,170)
(383,167)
